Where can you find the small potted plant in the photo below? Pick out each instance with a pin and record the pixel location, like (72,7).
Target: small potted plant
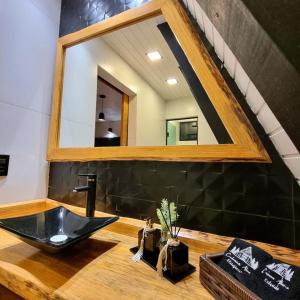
(173,258)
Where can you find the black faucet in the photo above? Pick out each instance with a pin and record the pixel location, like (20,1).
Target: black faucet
(90,188)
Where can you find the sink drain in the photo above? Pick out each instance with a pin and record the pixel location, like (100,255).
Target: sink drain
(58,238)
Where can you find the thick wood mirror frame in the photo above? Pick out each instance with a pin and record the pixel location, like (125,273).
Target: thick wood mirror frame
(246,144)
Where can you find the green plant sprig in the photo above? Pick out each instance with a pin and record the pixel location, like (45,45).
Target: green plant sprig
(167,215)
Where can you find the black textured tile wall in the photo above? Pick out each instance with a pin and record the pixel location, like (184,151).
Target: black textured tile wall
(230,199)
(248,200)
(297,234)
(78,14)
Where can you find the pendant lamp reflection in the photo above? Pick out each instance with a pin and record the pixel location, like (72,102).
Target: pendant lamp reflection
(101,116)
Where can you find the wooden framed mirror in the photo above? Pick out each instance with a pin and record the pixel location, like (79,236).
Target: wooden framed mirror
(119,82)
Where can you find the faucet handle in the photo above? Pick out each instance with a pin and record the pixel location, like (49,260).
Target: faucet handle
(88,175)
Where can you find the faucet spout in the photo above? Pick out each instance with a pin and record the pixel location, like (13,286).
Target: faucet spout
(81,189)
(90,188)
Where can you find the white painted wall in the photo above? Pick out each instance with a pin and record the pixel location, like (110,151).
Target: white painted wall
(28,31)
(151,124)
(79,97)
(188,107)
(146,117)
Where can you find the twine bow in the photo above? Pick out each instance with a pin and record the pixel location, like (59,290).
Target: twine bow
(163,256)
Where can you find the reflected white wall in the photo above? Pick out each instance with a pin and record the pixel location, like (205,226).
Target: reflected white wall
(188,107)
(79,97)
(146,109)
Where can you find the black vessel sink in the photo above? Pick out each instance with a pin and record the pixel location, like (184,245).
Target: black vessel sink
(55,229)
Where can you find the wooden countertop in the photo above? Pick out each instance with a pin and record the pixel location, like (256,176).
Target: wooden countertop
(101,267)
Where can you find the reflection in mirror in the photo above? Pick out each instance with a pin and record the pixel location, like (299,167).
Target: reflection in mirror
(135,87)
(108,115)
(182,131)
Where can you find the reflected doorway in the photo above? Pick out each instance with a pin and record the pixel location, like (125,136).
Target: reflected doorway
(111,127)
(182,131)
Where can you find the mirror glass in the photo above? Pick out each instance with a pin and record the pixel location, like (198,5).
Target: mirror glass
(182,131)
(135,87)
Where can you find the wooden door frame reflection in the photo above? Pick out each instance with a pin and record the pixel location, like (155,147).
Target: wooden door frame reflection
(124,112)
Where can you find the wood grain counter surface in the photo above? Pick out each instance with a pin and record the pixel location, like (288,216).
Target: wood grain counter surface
(101,267)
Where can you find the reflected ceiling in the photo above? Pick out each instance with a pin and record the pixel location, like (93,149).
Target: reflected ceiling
(132,43)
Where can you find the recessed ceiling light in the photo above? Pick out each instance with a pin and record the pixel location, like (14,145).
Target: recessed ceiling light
(153,56)
(172,81)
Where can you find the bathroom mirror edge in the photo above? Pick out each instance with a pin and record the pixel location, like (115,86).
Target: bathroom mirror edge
(246,144)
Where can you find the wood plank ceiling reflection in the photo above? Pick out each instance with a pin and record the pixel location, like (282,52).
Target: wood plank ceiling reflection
(133,42)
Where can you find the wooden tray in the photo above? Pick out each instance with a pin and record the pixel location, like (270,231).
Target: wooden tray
(219,283)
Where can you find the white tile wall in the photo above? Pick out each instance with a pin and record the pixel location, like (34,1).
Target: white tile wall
(191,7)
(22,130)
(283,143)
(241,78)
(199,16)
(218,44)
(29,45)
(293,164)
(278,136)
(267,119)
(26,75)
(49,8)
(254,98)
(208,28)
(229,60)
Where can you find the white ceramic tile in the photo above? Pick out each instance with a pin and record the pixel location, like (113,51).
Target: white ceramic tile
(241,78)
(23,179)
(191,7)
(267,119)
(41,188)
(25,134)
(23,130)
(229,60)
(208,28)
(199,17)
(254,98)
(185,3)
(293,164)
(28,55)
(50,8)
(218,44)
(283,143)
(3,146)
(28,168)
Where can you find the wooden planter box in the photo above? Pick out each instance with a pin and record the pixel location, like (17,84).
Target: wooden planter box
(219,283)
